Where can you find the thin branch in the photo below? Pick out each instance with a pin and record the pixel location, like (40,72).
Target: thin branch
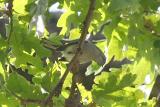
(10,14)
(27,101)
(57,90)
(87,22)
(115,64)
(74,99)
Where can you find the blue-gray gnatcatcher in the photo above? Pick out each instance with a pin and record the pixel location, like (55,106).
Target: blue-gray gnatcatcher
(90,52)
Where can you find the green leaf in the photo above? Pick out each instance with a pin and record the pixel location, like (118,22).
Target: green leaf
(2,57)
(64,21)
(24,44)
(117,5)
(141,69)
(74,34)
(157,43)
(20,86)
(93,68)
(19,6)
(30,5)
(120,99)
(8,101)
(24,58)
(111,83)
(115,46)
(56,40)
(3,43)
(50,80)
(2,75)
(30,42)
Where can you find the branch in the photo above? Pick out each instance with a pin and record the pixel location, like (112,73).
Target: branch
(57,90)
(10,14)
(74,99)
(116,64)
(87,22)
(155,92)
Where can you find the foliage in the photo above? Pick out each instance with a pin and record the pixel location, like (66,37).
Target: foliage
(134,32)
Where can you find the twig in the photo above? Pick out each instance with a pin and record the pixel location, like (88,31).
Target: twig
(9,13)
(27,101)
(57,90)
(115,64)
(75,95)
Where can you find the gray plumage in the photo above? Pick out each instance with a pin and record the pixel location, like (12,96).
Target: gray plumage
(89,52)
